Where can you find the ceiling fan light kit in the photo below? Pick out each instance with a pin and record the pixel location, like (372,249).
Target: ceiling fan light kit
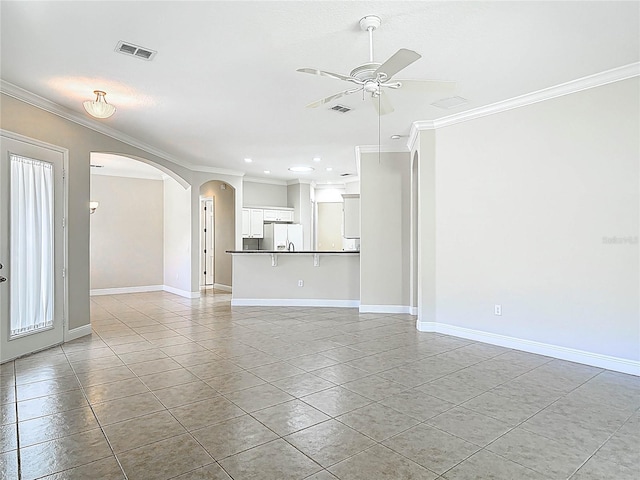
(373,78)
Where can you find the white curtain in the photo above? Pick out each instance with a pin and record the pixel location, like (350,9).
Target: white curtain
(31,245)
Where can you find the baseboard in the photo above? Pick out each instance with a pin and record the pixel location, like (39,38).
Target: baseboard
(292,302)
(182,293)
(78,332)
(120,290)
(385,309)
(220,286)
(413,310)
(617,364)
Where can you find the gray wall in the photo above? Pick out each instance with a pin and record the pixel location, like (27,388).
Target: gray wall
(385,226)
(264,195)
(126,232)
(525,202)
(177,236)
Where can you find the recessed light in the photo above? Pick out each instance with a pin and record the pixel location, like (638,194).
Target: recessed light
(316,159)
(301,169)
(248,160)
(396,137)
(267,172)
(329,169)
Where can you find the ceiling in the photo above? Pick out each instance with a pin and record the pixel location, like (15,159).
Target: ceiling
(223,86)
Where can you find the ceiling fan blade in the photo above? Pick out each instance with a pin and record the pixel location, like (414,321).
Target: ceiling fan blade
(382,104)
(322,101)
(434,86)
(315,71)
(399,60)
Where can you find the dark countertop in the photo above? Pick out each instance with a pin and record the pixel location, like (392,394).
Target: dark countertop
(294,252)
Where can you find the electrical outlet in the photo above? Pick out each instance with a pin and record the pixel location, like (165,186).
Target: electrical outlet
(301,283)
(497,310)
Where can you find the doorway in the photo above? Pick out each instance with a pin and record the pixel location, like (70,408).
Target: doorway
(32,246)
(207,242)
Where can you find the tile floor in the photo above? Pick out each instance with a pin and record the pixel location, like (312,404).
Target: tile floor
(194,389)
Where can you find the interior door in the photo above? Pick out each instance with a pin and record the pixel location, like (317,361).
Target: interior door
(207,242)
(32,246)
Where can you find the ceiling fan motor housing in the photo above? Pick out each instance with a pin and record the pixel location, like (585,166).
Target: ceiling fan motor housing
(365,71)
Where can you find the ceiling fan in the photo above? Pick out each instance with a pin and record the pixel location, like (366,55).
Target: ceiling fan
(373,77)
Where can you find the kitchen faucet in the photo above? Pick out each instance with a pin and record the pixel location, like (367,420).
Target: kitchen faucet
(291,247)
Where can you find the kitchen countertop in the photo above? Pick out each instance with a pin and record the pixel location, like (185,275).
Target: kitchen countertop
(332,252)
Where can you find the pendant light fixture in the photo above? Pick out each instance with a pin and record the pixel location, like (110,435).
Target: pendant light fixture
(99,107)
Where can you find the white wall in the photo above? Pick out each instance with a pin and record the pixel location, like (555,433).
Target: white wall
(525,201)
(385,228)
(264,195)
(299,198)
(177,237)
(126,232)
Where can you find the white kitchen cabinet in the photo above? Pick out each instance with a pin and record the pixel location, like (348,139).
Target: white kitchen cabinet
(278,215)
(252,223)
(351,215)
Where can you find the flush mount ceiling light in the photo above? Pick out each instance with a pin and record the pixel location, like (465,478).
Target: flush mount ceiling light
(329,169)
(99,107)
(396,137)
(301,169)
(248,160)
(267,172)
(316,159)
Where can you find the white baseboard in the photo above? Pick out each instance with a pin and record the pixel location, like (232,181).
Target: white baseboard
(220,286)
(78,332)
(292,302)
(617,364)
(120,290)
(182,293)
(385,309)
(413,310)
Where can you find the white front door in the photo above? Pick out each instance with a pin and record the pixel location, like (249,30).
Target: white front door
(32,246)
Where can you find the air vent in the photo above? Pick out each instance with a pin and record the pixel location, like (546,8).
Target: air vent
(450,102)
(96,166)
(135,50)
(341,108)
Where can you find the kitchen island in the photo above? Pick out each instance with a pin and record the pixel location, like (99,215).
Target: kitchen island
(290,278)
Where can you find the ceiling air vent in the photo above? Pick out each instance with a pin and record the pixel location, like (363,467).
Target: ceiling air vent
(450,102)
(135,50)
(341,108)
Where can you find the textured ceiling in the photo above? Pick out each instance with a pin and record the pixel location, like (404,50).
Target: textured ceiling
(223,85)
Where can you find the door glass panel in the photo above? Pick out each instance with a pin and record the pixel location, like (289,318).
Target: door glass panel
(31,230)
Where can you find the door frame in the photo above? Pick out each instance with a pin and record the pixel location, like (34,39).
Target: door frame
(66,334)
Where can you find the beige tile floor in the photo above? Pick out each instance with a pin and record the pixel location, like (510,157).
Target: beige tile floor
(194,389)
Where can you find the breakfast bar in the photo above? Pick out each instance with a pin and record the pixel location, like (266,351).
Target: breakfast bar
(295,278)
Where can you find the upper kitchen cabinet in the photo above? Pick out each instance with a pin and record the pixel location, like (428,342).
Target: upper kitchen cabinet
(278,215)
(351,215)
(252,223)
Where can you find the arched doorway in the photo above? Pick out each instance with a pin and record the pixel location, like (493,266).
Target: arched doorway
(217,234)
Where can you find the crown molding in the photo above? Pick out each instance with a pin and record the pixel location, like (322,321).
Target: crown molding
(219,171)
(567,88)
(44,104)
(268,181)
(376,148)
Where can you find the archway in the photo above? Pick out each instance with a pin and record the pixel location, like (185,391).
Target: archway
(135,243)
(221,196)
